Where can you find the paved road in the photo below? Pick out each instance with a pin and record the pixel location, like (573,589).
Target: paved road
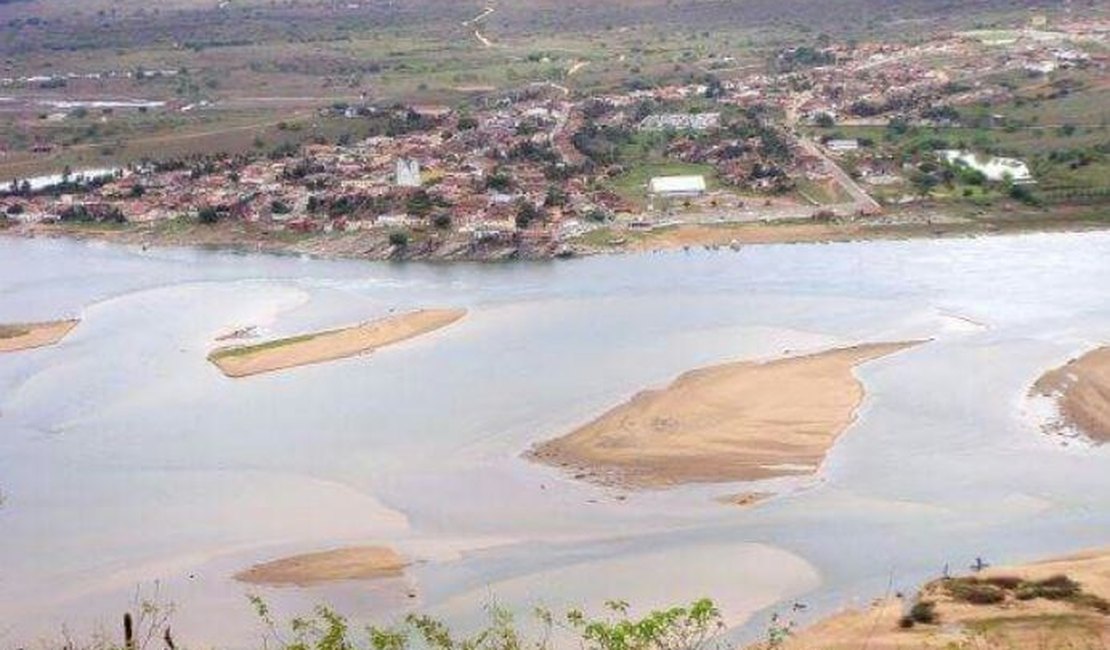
(862,199)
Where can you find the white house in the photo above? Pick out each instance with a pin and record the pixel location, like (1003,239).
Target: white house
(677,186)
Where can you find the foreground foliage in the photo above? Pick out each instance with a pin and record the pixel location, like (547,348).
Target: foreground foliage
(692,627)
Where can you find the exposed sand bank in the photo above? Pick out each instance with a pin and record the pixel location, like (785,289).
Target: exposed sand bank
(1028,621)
(24,336)
(244,360)
(361,563)
(1082,391)
(731,422)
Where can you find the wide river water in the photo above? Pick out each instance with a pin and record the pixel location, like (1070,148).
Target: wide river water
(128,461)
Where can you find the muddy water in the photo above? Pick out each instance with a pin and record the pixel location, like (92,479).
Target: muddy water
(127,460)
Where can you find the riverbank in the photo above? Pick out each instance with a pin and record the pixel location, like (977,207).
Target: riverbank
(359,563)
(1081,389)
(620,237)
(26,336)
(737,421)
(245,360)
(1060,603)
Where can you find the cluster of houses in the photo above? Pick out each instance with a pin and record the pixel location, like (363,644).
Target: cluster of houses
(514,166)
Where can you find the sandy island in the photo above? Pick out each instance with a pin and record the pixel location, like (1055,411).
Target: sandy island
(1060,603)
(1082,392)
(732,422)
(360,563)
(244,360)
(24,336)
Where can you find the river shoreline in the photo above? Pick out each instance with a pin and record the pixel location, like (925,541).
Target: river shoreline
(612,239)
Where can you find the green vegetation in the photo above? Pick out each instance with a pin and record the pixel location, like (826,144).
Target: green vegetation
(923,611)
(691,627)
(244,350)
(988,591)
(632,183)
(399,238)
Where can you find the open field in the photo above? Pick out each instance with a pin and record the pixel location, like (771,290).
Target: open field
(733,422)
(1054,605)
(1081,389)
(25,336)
(245,360)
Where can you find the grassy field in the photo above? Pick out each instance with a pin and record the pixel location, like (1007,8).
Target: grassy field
(632,184)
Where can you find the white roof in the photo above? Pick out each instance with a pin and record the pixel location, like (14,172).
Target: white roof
(677,184)
(995,169)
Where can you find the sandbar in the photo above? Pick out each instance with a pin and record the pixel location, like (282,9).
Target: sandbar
(1081,388)
(245,360)
(732,422)
(357,563)
(24,336)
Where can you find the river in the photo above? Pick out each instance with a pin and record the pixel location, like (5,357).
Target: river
(126,459)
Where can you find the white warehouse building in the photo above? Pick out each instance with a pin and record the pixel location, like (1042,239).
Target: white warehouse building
(677,186)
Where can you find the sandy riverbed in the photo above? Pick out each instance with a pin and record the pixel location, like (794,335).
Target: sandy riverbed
(731,422)
(1082,391)
(359,563)
(241,361)
(24,336)
(1013,623)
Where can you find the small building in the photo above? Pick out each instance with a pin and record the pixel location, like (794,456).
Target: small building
(841,146)
(407,173)
(677,186)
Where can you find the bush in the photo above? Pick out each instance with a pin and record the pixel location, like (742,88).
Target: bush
(692,627)
(1008,583)
(924,611)
(971,590)
(1058,587)
(208,215)
(442,221)
(597,215)
(399,239)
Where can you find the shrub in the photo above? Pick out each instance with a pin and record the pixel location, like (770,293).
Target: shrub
(399,239)
(971,590)
(442,221)
(208,215)
(1058,587)
(1097,603)
(692,627)
(924,611)
(1008,583)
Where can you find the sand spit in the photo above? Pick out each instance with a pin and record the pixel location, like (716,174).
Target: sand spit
(1023,616)
(1082,391)
(732,422)
(24,336)
(359,563)
(244,360)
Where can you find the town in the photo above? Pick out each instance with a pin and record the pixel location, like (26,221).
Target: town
(867,133)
